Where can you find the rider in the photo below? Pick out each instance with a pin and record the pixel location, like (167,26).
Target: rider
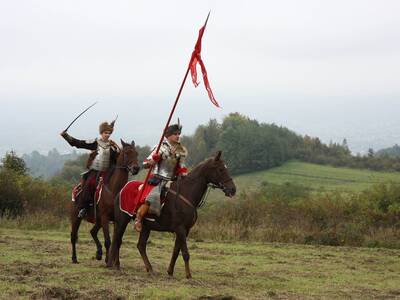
(168,165)
(103,156)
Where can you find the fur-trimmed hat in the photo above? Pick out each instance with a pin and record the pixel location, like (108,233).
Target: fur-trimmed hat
(172,129)
(106,127)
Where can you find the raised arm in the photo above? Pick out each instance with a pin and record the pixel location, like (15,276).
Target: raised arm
(89,145)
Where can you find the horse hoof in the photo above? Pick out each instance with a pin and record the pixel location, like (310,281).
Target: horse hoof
(75,261)
(109,264)
(188,276)
(170,273)
(99,256)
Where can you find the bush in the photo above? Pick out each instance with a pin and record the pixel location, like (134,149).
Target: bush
(21,194)
(11,202)
(289,213)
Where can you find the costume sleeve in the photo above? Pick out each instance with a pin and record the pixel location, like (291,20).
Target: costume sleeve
(146,164)
(89,145)
(181,167)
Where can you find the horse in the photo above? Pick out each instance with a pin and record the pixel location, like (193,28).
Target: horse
(179,212)
(126,162)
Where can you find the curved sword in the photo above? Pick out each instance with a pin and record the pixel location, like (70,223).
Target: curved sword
(80,115)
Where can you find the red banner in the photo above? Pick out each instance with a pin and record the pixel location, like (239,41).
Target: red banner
(196,58)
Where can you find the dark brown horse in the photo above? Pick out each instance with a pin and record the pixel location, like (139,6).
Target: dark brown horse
(179,213)
(126,162)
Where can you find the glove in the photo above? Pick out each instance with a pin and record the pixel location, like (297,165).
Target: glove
(182,171)
(156,157)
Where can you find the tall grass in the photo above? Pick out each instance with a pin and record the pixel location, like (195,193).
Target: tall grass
(287,213)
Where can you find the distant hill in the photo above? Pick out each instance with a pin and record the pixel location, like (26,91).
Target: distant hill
(247,146)
(313,177)
(48,165)
(391,151)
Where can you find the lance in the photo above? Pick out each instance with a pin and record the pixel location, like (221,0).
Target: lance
(79,116)
(170,117)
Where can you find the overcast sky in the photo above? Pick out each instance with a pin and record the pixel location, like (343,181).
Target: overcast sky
(325,68)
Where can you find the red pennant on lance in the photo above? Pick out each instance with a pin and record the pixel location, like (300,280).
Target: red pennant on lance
(196,58)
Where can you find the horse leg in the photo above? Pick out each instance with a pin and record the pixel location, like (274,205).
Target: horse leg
(175,254)
(141,245)
(93,232)
(119,229)
(106,233)
(182,234)
(75,223)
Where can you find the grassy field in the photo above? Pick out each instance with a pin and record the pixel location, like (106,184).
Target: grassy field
(317,177)
(36,265)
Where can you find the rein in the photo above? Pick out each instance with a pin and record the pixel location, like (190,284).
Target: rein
(183,198)
(127,168)
(219,185)
(203,198)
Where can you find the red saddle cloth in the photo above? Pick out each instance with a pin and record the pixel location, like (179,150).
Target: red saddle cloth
(129,196)
(76,190)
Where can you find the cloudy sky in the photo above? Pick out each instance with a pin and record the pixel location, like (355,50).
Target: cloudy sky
(323,68)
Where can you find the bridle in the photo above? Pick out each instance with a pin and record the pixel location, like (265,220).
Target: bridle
(126,167)
(210,185)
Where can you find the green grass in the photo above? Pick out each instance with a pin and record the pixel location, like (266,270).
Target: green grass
(317,177)
(36,264)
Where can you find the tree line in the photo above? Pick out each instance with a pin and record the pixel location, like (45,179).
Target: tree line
(249,145)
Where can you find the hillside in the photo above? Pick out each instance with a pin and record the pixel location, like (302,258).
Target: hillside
(316,177)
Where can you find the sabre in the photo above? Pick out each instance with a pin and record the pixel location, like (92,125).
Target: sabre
(79,116)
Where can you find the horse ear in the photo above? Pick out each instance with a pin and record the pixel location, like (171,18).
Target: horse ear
(133,143)
(218,156)
(123,143)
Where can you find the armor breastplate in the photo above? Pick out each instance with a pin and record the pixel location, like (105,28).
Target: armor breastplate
(102,159)
(171,155)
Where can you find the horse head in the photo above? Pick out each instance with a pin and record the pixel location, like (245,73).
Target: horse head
(218,175)
(128,158)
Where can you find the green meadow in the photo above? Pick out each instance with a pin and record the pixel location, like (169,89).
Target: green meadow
(36,265)
(317,177)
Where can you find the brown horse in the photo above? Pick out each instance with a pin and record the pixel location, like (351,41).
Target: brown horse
(179,213)
(126,162)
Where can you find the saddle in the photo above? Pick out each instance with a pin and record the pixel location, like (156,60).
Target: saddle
(77,190)
(130,193)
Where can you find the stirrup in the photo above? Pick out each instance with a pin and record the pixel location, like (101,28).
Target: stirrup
(82,213)
(138,225)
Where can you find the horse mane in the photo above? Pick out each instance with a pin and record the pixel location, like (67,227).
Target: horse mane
(120,156)
(199,168)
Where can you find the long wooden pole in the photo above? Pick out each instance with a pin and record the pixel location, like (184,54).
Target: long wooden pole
(169,118)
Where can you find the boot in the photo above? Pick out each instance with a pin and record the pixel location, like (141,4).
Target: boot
(142,211)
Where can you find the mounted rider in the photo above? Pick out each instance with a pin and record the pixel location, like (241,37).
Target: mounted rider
(168,165)
(101,160)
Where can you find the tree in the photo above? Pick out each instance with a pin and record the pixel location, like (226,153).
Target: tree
(12,162)
(371,152)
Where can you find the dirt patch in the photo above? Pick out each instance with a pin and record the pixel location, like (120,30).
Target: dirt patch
(101,294)
(217,297)
(56,293)
(395,292)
